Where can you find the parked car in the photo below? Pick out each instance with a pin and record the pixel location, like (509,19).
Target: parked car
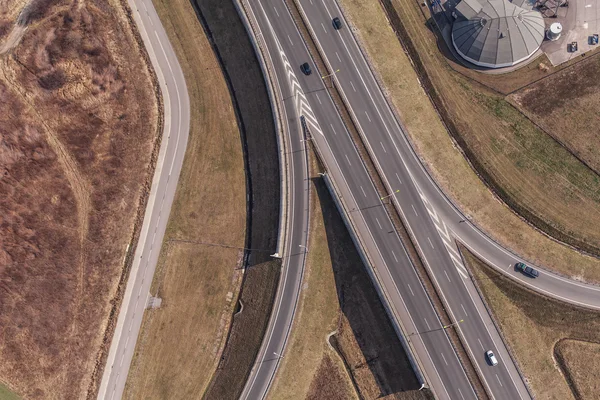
(530,272)
(337,24)
(305,68)
(491,358)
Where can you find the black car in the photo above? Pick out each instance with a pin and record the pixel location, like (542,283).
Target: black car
(337,24)
(530,272)
(305,68)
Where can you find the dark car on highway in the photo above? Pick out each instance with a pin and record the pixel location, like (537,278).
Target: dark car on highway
(530,272)
(305,68)
(337,24)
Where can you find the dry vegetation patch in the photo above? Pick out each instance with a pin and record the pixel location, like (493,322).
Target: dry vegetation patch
(535,327)
(76,145)
(198,274)
(580,362)
(567,106)
(438,150)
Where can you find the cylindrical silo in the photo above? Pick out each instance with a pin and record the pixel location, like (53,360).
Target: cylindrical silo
(553,33)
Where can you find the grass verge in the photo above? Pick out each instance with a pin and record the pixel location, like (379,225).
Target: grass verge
(197,276)
(6,394)
(436,147)
(536,329)
(566,106)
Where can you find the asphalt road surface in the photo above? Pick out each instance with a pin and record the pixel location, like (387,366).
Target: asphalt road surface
(294,255)
(170,159)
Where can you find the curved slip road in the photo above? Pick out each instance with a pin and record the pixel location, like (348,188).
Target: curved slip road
(295,251)
(170,159)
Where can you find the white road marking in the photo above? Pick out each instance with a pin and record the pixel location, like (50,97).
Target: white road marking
(363,190)
(428,327)
(334,132)
(446,362)
(431,244)
(465,311)
(399,180)
(276,12)
(378,223)
(482,348)
(413,206)
(447,277)
(347,159)
(499,380)
(338,56)
(367,114)
(352,84)
(292,43)
(324,30)
(461,395)
(318,99)
(384,150)
(411,292)
(394,254)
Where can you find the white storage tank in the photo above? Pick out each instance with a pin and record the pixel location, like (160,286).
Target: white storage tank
(553,33)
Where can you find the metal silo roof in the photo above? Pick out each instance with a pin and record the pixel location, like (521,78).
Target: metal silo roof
(496,33)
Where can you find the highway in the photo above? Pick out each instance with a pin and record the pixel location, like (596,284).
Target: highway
(170,159)
(434,222)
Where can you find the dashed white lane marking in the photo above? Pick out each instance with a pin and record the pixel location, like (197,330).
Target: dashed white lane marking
(411,292)
(318,99)
(399,180)
(367,114)
(447,277)
(333,130)
(384,150)
(394,254)
(292,43)
(347,159)
(414,209)
(498,380)
(482,348)
(445,362)
(465,311)
(428,327)
(363,191)
(461,395)
(276,12)
(376,219)
(338,56)
(352,84)
(324,30)
(431,244)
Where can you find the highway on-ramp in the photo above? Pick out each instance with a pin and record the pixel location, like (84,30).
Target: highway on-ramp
(170,160)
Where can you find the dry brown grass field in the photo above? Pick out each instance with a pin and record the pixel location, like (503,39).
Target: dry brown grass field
(438,150)
(77,135)
(197,276)
(567,106)
(553,342)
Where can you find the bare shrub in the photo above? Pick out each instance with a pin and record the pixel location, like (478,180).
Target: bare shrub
(53,80)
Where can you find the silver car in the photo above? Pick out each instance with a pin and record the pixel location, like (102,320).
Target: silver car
(491,358)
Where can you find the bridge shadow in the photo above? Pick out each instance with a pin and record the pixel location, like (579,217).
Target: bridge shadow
(366,339)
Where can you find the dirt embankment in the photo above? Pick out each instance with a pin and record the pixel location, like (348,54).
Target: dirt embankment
(76,146)
(251,102)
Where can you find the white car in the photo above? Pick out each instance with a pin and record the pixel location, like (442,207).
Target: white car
(491,357)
